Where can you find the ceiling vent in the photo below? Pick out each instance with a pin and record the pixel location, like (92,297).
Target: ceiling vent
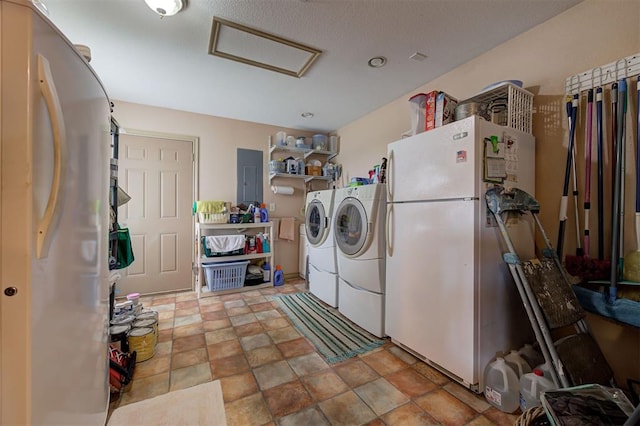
(250,46)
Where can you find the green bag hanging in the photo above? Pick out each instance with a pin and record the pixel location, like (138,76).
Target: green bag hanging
(124,254)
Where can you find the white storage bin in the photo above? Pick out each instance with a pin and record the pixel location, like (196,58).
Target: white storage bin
(225,276)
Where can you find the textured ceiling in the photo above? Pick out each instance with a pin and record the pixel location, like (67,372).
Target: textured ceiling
(146,59)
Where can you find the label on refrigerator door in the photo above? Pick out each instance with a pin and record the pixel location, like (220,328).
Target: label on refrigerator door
(461,156)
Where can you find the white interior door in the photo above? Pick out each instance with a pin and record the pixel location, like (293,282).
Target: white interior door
(158,175)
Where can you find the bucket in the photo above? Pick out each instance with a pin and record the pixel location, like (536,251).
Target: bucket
(148,323)
(501,386)
(118,335)
(146,314)
(123,319)
(142,340)
(531,386)
(517,363)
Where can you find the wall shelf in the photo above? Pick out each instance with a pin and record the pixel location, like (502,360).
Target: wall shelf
(307,178)
(306,152)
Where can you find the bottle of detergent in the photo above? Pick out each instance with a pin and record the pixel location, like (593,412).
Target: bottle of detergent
(278,276)
(266,271)
(256,214)
(264,213)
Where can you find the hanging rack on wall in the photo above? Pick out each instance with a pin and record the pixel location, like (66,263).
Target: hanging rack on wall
(609,73)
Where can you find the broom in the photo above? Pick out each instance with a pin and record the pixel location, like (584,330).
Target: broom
(582,265)
(632,260)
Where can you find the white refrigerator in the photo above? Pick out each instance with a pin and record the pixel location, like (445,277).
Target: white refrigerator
(54,211)
(450,298)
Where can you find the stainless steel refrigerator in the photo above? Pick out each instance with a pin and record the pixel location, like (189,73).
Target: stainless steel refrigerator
(450,298)
(53,226)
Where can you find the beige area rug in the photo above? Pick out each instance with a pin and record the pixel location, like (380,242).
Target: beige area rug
(197,405)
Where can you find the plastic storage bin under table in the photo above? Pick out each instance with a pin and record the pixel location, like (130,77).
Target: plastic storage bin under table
(225,275)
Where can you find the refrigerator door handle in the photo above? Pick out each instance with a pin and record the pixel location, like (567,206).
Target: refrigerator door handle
(390,177)
(50,95)
(387,230)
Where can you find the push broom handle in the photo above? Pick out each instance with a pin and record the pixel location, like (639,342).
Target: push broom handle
(600,174)
(587,185)
(567,175)
(615,236)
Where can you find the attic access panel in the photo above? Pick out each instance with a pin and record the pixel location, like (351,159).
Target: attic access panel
(250,46)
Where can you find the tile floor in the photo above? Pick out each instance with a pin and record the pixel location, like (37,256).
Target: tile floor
(271,375)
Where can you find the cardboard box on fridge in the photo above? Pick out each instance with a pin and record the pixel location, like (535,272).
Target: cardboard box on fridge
(445,107)
(430,110)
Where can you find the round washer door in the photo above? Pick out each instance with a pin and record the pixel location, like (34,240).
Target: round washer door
(316,223)
(350,227)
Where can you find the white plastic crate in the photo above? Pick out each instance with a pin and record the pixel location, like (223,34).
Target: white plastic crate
(518,106)
(213,217)
(222,217)
(225,276)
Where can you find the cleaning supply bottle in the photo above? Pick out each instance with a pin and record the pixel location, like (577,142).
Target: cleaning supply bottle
(278,276)
(256,214)
(264,213)
(259,247)
(266,248)
(266,271)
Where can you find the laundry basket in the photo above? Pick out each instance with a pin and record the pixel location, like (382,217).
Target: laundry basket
(225,276)
(223,245)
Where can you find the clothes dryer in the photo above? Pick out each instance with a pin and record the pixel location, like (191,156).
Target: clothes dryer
(359,226)
(323,272)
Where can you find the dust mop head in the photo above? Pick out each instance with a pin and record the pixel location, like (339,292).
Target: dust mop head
(631,271)
(586,268)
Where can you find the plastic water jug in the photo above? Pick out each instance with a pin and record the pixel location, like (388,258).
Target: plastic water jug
(266,271)
(501,386)
(531,385)
(546,370)
(531,355)
(517,363)
(278,276)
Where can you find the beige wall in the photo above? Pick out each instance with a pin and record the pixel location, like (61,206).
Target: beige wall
(593,33)
(219,138)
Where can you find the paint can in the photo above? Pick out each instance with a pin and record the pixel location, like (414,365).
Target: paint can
(123,320)
(142,341)
(118,336)
(148,323)
(146,314)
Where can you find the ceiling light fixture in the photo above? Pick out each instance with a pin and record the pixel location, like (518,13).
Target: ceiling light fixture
(307,115)
(377,62)
(165,7)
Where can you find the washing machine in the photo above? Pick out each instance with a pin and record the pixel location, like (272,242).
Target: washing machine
(323,270)
(359,229)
